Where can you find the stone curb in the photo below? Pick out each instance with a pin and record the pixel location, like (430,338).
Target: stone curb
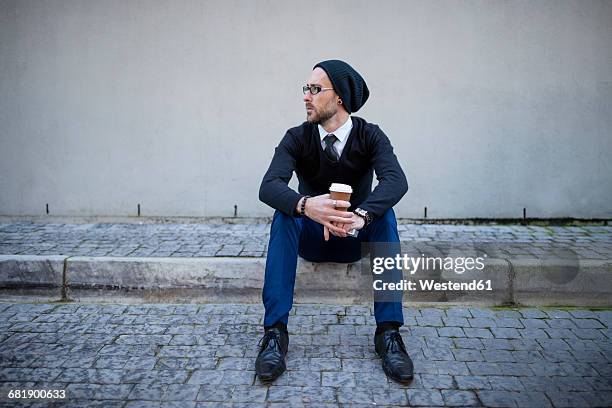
(526,282)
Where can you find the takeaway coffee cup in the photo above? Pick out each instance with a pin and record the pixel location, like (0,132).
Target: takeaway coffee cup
(338,191)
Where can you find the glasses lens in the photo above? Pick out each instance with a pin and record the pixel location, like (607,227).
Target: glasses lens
(314,89)
(305,89)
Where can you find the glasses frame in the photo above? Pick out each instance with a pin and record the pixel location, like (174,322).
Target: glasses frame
(318,88)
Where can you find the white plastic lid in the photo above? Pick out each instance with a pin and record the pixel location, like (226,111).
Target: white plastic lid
(341,188)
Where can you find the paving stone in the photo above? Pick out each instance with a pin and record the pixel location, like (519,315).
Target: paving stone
(468,355)
(497,344)
(432,312)
(567,399)
(497,356)
(429,321)
(481,313)
(338,379)
(477,333)
(482,322)
(511,333)
(438,381)
(238,377)
(450,367)
(583,314)
(497,398)
(468,343)
(355,396)
(318,395)
(393,397)
(458,398)
(438,353)
(588,334)
(451,332)
(509,322)
(472,382)
(423,397)
(455,321)
(513,314)
(458,312)
(506,383)
(217,393)
(284,394)
(532,399)
(243,393)
(438,342)
(424,332)
(588,324)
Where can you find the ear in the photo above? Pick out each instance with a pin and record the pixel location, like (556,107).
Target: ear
(339,101)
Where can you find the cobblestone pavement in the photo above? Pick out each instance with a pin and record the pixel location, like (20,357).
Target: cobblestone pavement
(251,239)
(203,355)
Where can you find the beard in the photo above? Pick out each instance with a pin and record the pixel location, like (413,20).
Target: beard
(321,116)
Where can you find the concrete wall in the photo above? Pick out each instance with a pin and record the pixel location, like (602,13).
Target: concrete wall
(492,106)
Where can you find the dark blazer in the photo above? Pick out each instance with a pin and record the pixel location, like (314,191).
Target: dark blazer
(367,150)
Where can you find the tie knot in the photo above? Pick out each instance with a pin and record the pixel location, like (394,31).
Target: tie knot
(330,139)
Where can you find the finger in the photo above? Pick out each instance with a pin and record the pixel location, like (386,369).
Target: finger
(341,221)
(333,232)
(342,204)
(342,214)
(348,227)
(333,228)
(325,233)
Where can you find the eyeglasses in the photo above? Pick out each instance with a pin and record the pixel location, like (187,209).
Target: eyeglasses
(314,89)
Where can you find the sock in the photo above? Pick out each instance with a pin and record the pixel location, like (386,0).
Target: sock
(384,326)
(279,325)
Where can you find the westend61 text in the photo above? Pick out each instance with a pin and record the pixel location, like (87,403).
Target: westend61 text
(430,284)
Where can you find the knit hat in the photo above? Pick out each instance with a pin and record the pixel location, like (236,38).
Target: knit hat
(347,83)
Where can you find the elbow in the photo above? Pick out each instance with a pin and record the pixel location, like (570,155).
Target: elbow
(263,192)
(404,186)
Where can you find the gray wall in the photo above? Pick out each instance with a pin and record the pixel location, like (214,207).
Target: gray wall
(492,106)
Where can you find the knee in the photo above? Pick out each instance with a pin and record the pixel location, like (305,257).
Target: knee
(384,228)
(282,222)
(388,219)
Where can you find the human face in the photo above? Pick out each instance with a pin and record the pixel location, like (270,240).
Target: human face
(324,105)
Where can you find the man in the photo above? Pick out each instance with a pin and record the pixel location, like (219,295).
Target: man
(330,147)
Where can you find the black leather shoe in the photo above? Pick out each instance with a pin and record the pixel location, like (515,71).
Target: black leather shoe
(395,360)
(270,361)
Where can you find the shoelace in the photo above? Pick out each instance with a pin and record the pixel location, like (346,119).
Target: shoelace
(396,343)
(269,338)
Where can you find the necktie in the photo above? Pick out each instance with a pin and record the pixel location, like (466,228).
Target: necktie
(330,150)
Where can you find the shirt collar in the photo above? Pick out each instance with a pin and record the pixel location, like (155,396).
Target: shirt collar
(341,133)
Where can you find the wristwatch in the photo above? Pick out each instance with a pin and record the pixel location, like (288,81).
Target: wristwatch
(367,217)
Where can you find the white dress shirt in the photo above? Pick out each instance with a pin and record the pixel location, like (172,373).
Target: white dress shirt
(342,133)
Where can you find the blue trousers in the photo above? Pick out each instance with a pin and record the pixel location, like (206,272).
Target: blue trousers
(290,236)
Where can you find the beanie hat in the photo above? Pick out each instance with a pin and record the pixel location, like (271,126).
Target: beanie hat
(347,83)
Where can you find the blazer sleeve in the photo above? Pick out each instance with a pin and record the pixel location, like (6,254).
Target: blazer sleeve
(274,190)
(392,183)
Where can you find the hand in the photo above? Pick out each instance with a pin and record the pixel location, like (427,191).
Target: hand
(321,209)
(356,222)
